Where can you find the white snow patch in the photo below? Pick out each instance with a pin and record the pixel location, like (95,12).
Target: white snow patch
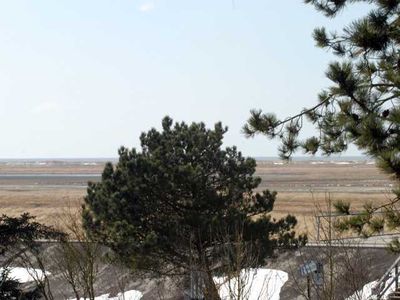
(366,291)
(128,295)
(257,284)
(25,274)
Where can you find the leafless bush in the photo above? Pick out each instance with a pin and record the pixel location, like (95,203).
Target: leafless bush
(78,256)
(344,264)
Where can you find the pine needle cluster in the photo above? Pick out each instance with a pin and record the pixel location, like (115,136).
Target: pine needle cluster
(361,107)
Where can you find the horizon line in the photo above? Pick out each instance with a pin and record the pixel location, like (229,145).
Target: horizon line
(116,157)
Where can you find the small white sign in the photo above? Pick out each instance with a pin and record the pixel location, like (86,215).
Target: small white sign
(308,268)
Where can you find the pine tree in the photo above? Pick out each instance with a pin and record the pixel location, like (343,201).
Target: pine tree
(19,235)
(170,207)
(361,106)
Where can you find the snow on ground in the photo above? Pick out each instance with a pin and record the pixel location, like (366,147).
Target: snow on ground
(257,284)
(366,291)
(27,274)
(24,274)
(128,295)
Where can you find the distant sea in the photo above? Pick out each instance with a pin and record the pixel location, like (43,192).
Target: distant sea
(360,158)
(100,161)
(76,172)
(55,161)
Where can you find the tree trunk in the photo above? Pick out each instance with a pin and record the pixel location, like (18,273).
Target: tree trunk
(211,292)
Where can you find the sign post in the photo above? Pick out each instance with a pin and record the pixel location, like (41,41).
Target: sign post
(314,271)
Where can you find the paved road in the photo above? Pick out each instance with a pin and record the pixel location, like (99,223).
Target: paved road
(379,241)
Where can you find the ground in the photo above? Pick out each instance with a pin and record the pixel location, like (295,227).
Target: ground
(354,267)
(47,189)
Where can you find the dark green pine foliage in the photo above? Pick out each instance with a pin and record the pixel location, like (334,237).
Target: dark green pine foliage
(10,289)
(17,235)
(361,106)
(170,207)
(23,231)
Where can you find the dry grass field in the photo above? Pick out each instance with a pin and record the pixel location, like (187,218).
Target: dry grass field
(47,190)
(304,188)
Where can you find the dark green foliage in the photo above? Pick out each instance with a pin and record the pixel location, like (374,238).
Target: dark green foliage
(355,223)
(18,235)
(24,230)
(394,246)
(364,223)
(342,207)
(362,105)
(377,224)
(171,206)
(9,288)
(393,219)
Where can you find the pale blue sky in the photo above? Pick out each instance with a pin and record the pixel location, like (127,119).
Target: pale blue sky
(81,78)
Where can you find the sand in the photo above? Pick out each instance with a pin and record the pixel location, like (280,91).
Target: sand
(46,190)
